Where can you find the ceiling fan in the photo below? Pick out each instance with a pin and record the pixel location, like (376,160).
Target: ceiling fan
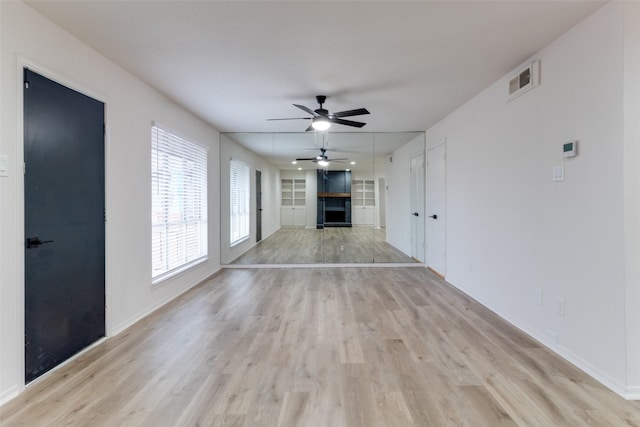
(321,118)
(322,159)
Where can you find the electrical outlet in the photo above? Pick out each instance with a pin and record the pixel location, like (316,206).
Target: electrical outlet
(560,307)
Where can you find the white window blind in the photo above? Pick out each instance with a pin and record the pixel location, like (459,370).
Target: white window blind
(179,202)
(239,191)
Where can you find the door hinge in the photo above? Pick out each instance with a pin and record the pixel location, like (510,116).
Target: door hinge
(24,168)
(104,128)
(104,215)
(24,78)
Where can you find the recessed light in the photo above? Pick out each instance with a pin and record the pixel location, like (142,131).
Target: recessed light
(294,163)
(299,169)
(347,170)
(352,163)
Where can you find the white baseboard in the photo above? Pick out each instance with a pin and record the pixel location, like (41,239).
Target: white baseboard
(633,392)
(628,393)
(15,390)
(130,322)
(10,393)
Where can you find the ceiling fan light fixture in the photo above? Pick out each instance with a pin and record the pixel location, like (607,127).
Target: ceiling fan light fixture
(323,163)
(320,123)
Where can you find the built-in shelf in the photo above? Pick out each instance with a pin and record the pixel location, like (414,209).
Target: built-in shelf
(294,200)
(363,199)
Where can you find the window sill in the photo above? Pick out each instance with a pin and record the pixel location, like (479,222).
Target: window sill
(156,281)
(239,241)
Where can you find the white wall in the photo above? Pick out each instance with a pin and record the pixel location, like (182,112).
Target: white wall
(398,197)
(131,106)
(271,195)
(512,232)
(632,191)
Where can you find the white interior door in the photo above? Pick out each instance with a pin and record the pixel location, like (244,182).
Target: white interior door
(436,209)
(382,204)
(417,207)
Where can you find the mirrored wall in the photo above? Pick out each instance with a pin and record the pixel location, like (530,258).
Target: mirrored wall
(322,197)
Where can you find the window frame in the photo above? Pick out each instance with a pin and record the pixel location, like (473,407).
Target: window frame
(239,209)
(179,199)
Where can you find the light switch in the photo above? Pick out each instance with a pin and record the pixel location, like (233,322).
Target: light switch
(4,166)
(558,173)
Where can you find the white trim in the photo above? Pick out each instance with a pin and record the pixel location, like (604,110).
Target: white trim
(131,321)
(24,62)
(237,242)
(156,281)
(437,143)
(602,377)
(10,393)
(632,393)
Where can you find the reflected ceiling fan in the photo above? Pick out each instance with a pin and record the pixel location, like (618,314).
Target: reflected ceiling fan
(321,118)
(322,159)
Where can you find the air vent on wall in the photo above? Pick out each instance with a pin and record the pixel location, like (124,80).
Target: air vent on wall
(525,80)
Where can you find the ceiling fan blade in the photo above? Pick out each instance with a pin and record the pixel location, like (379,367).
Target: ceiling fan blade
(310,128)
(310,158)
(347,122)
(349,113)
(338,159)
(291,118)
(306,109)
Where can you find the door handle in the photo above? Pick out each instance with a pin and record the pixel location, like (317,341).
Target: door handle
(434,216)
(34,242)
(415,214)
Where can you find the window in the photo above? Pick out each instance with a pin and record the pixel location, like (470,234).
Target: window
(239,191)
(179,202)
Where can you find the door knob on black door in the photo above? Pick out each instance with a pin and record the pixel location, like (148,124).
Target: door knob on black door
(434,216)
(34,242)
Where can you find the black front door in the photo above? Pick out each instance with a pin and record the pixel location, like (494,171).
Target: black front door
(64,223)
(258,205)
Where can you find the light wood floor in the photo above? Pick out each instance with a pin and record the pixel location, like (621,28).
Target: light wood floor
(331,245)
(323,347)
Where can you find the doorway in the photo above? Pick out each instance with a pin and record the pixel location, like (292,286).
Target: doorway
(382,203)
(64,213)
(436,209)
(417,207)
(258,205)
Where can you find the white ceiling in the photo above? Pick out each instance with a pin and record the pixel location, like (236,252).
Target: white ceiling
(237,63)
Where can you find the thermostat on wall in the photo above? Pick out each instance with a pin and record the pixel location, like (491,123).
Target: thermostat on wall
(570,149)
